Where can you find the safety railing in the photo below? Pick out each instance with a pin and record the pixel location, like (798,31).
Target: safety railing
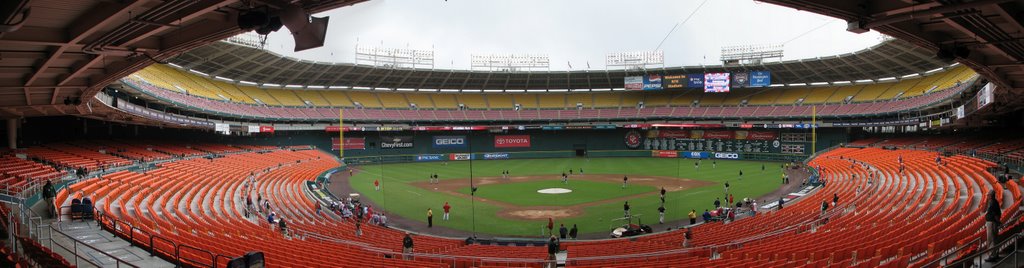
(80,251)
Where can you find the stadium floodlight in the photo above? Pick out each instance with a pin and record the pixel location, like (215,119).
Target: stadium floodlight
(361,88)
(887,78)
(909,75)
(841,82)
(338,87)
(247,82)
(819,83)
(316,87)
(751,54)
(293,86)
(635,59)
(174,65)
(271,85)
(509,62)
(933,70)
(249,39)
(776,85)
(394,57)
(864,81)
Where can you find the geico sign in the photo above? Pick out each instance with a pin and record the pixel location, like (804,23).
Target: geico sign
(727,155)
(450,141)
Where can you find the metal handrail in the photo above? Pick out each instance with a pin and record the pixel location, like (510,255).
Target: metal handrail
(218,257)
(76,242)
(178,257)
(152,247)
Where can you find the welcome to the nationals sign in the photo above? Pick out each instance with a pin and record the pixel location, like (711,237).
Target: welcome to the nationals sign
(512,141)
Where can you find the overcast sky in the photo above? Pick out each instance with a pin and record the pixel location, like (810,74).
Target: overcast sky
(575,31)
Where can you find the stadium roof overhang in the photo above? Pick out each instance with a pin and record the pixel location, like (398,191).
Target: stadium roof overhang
(987,35)
(247,65)
(52,50)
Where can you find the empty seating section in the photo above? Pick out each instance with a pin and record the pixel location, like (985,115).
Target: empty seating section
(233,92)
(17,173)
(393,100)
(500,101)
(792,95)
(766,97)
(552,101)
(872,92)
(606,100)
(472,101)
(820,95)
(444,101)
(885,217)
(422,100)
(582,98)
(312,96)
(70,156)
(260,95)
(139,152)
(164,82)
(367,99)
(285,97)
(337,98)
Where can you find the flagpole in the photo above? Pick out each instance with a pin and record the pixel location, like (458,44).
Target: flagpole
(814,130)
(472,188)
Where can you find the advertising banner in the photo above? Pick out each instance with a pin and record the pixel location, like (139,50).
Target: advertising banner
(695,80)
(396,142)
(740,80)
(716,82)
(492,156)
(349,144)
(449,141)
(960,112)
(762,135)
(664,154)
(694,155)
(668,134)
(652,82)
(266,129)
(430,157)
(460,157)
(512,141)
(760,79)
(634,82)
(727,155)
(354,143)
(985,95)
(718,134)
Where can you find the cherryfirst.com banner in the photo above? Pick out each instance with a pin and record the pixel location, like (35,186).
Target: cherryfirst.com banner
(512,141)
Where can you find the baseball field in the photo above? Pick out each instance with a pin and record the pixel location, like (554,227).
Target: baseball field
(512,205)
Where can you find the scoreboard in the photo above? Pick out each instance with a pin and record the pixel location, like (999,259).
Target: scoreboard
(674,81)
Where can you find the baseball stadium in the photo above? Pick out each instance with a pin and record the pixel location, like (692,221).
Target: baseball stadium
(527,133)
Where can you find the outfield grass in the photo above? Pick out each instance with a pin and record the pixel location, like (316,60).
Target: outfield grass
(411,202)
(525,193)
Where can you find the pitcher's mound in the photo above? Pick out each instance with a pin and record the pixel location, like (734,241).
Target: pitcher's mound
(554,191)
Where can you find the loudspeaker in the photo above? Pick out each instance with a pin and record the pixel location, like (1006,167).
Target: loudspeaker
(252,20)
(254,259)
(308,31)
